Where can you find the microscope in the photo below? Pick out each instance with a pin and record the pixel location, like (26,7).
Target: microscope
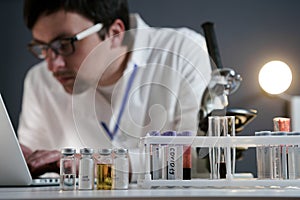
(224,82)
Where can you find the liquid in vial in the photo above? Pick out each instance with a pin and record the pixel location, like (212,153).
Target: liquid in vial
(68,169)
(104,177)
(121,169)
(68,181)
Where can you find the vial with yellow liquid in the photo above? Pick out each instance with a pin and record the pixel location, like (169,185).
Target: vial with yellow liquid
(104,170)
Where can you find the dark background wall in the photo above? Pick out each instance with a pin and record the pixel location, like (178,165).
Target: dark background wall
(250,33)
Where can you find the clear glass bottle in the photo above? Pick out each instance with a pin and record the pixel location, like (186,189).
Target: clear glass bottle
(121,169)
(68,169)
(104,169)
(86,169)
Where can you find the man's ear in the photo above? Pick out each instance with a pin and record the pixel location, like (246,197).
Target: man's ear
(116,33)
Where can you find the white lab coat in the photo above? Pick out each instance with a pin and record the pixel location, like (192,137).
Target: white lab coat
(172,72)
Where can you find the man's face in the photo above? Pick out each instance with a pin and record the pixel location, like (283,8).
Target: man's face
(61,25)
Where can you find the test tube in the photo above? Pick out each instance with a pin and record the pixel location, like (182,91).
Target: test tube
(186,157)
(281,124)
(214,152)
(293,158)
(281,127)
(171,157)
(230,125)
(155,158)
(221,126)
(279,158)
(264,158)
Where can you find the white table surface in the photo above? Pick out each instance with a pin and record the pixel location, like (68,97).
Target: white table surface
(159,193)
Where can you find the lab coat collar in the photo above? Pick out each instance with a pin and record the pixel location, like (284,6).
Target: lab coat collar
(141,36)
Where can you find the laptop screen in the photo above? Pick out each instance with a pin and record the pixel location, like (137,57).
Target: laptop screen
(13,167)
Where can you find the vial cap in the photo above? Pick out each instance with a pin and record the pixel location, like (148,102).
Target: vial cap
(105,151)
(185,133)
(121,151)
(86,151)
(262,133)
(154,133)
(169,133)
(293,133)
(278,133)
(68,151)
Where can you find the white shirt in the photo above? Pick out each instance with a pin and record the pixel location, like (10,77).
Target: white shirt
(172,72)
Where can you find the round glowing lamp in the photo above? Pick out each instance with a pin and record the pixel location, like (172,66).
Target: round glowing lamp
(275,77)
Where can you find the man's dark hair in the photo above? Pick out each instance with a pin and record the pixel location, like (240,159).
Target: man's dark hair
(103,11)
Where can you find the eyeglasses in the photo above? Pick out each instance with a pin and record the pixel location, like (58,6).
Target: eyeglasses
(64,46)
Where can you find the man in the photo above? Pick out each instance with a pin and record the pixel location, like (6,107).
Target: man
(106,80)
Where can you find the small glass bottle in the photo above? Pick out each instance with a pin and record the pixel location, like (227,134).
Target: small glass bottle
(104,169)
(86,169)
(68,169)
(121,169)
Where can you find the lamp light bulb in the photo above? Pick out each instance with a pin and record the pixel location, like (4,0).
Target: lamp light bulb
(275,77)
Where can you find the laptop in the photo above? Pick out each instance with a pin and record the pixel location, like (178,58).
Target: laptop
(13,167)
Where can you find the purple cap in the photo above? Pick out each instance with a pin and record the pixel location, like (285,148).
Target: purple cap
(169,133)
(154,133)
(185,133)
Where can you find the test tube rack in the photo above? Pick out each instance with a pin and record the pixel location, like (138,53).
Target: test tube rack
(145,180)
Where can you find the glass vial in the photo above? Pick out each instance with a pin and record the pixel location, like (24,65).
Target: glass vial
(104,169)
(86,169)
(121,169)
(68,169)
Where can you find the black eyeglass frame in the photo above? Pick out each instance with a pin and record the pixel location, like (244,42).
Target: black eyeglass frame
(43,47)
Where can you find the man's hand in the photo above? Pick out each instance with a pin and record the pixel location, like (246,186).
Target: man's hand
(41,161)
(26,151)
